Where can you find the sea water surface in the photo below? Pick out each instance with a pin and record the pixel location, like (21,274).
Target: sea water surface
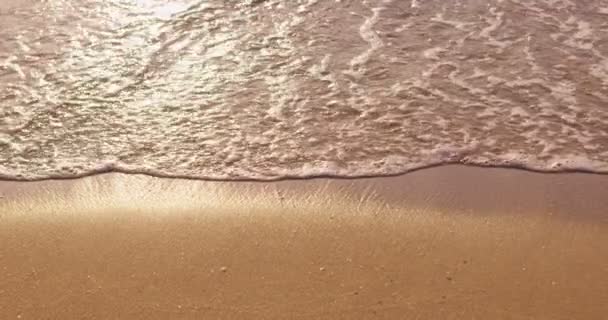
(271,89)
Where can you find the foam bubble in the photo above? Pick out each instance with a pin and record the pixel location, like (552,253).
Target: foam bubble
(274,89)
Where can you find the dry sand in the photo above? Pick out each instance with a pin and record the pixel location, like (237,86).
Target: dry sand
(450,242)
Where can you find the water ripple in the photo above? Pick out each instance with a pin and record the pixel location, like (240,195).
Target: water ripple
(271,89)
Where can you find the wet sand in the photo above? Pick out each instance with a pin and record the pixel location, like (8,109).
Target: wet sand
(450,242)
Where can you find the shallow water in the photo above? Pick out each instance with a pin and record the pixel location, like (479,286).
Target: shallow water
(270,89)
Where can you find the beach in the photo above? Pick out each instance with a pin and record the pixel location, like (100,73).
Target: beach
(304,159)
(450,242)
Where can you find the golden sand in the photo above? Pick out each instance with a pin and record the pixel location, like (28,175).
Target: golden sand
(450,242)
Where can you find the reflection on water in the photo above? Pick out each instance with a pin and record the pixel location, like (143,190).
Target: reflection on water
(268,89)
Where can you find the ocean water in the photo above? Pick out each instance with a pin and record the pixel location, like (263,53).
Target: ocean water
(271,89)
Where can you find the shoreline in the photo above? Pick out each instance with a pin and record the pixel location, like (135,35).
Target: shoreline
(448,242)
(410,188)
(112,170)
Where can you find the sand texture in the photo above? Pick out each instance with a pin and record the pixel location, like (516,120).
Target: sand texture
(451,242)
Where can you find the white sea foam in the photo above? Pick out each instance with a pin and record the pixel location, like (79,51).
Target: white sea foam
(269,89)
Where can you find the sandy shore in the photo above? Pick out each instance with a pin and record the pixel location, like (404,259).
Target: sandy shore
(450,242)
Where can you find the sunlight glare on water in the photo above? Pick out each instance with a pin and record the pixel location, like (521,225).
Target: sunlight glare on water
(163,8)
(267,89)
